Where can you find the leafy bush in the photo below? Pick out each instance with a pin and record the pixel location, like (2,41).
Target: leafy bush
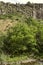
(19,39)
(23,37)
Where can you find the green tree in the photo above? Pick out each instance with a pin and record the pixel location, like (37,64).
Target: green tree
(19,39)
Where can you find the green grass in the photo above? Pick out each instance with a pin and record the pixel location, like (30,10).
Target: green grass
(15,59)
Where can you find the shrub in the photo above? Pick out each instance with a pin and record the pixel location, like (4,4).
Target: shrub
(19,39)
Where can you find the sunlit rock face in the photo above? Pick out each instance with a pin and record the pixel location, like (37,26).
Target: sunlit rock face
(29,9)
(38,8)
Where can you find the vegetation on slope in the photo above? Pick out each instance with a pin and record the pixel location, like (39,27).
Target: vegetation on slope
(23,38)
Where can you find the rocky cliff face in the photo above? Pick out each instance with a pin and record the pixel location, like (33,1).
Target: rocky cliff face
(38,9)
(33,10)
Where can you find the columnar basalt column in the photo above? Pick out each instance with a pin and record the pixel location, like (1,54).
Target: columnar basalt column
(34,11)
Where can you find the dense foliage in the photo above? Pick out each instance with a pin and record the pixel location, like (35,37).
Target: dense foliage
(19,39)
(24,37)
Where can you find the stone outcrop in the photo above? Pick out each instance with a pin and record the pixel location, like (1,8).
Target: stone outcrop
(29,9)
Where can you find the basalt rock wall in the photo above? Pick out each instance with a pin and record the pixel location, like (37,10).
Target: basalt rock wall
(34,10)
